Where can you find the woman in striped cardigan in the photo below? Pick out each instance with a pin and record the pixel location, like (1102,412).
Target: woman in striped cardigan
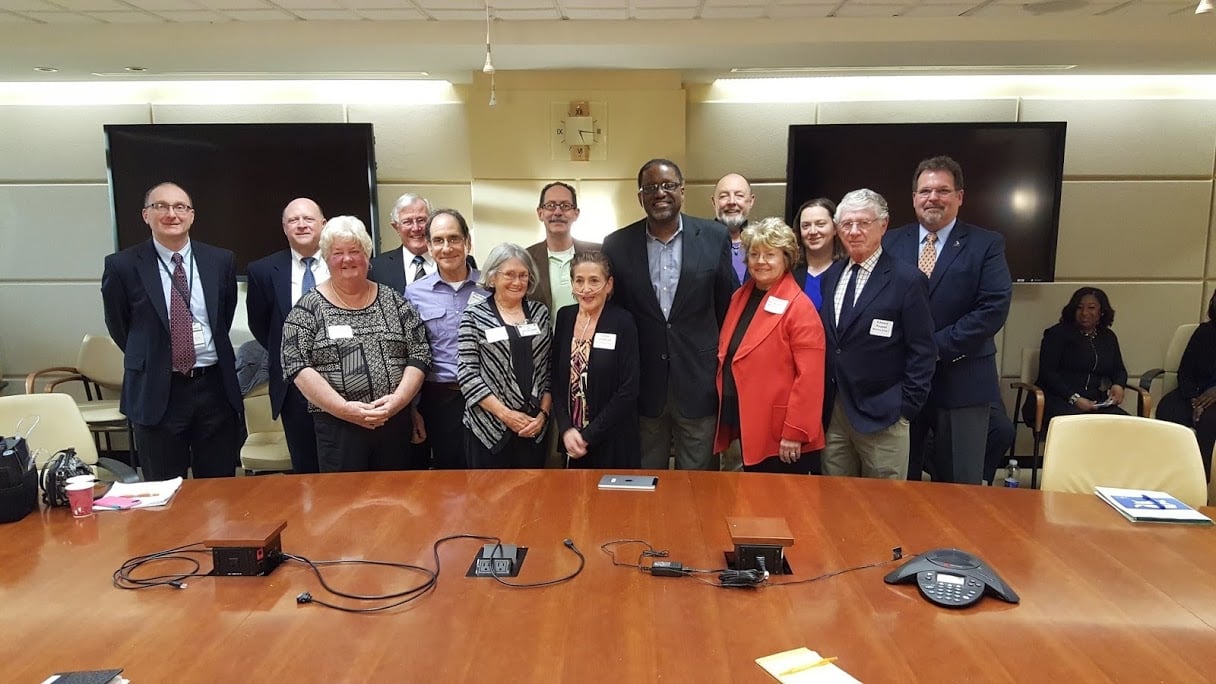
(503,366)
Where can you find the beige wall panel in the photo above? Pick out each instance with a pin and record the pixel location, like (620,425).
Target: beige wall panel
(1211,231)
(608,205)
(743,137)
(1146,316)
(59,143)
(37,221)
(514,139)
(1132,137)
(902,111)
(248,113)
(456,197)
(1133,229)
(418,142)
(48,322)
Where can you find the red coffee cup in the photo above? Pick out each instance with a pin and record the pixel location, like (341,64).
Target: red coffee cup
(80,499)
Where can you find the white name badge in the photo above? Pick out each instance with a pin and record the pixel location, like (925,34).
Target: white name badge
(881,328)
(197,329)
(529,330)
(340,332)
(496,334)
(604,341)
(776,305)
(476,298)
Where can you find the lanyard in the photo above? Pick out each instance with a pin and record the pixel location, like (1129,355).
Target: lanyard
(189,282)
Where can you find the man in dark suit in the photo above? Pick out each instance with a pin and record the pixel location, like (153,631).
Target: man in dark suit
(673,273)
(399,267)
(276,283)
(880,348)
(169,304)
(558,210)
(969,293)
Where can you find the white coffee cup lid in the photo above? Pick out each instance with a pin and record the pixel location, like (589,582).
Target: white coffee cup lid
(74,486)
(76,479)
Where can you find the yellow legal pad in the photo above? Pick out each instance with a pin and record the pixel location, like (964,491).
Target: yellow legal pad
(804,666)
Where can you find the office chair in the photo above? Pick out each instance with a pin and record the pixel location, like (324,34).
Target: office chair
(1083,452)
(265,448)
(60,426)
(1168,373)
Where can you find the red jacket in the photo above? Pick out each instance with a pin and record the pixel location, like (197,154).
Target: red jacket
(778,371)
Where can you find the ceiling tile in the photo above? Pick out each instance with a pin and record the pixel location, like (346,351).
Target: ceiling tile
(596,13)
(936,10)
(157,5)
(60,17)
(308,4)
(327,15)
(596,4)
(527,14)
(867,9)
(126,17)
(458,15)
(495,5)
(193,16)
(665,4)
(235,4)
(26,5)
(6,18)
(442,5)
(665,14)
(93,5)
(259,15)
(801,11)
(736,3)
(755,12)
(392,14)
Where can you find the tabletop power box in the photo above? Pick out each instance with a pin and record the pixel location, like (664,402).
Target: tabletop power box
(248,552)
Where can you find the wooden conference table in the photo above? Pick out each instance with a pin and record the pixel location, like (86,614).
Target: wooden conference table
(1102,600)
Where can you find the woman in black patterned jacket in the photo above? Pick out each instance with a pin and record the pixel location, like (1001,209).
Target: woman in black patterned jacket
(503,366)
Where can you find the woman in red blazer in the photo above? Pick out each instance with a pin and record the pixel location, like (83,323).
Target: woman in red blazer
(770,360)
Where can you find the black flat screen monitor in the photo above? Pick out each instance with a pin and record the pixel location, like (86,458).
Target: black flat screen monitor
(240,177)
(1012,174)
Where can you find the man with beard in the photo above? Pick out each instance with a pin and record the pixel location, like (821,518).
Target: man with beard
(558,210)
(673,273)
(969,293)
(733,200)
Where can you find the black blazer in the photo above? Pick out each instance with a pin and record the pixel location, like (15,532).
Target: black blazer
(882,377)
(389,269)
(138,320)
(267,302)
(612,392)
(969,294)
(681,351)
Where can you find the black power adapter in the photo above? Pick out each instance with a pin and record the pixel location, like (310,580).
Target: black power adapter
(667,569)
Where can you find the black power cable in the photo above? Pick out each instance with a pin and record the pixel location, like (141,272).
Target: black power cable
(122,576)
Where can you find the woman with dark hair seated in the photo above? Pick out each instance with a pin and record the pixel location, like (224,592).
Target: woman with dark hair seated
(1189,404)
(1080,367)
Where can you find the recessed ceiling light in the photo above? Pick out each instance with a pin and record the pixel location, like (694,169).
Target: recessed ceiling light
(134,69)
(46,70)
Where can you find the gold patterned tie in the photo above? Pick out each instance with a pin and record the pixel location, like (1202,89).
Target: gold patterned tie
(928,255)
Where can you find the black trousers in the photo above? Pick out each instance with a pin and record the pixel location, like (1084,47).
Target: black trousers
(300,432)
(517,453)
(200,431)
(442,408)
(807,464)
(345,447)
(1177,409)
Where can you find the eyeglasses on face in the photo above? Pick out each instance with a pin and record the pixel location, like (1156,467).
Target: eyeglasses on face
(554,206)
(418,221)
(163,207)
(926,193)
(653,188)
(765,257)
(455,241)
(513,276)
(859,225)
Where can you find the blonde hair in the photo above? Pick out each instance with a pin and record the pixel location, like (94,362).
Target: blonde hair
(773,233)
(345,228)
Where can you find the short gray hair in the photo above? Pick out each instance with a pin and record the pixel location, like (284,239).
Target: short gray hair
(861,200)
(342,228)
(501,254)
(406,200)
(773,233)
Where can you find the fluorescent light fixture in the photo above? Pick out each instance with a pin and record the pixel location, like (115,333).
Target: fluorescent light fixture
(1205,7)
(940,68)
(383,91)
(272,75)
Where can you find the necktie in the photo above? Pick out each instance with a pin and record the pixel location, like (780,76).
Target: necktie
(310,280)
(419,270)
(850,293)
(928,255)
(181,336)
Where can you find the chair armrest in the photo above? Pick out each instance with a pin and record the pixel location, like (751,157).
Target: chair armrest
(1144,400)
(32,379)
(1039,399)
(121,471)
(1146,380)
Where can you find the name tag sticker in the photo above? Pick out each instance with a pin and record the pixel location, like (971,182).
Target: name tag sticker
(476,298)
(340,332)
(604,341)
(197,329)
(776,305)
(496,334)
(881,328)
(529,330)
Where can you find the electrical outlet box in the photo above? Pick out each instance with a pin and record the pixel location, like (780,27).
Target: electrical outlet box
(247,553)
(502,560)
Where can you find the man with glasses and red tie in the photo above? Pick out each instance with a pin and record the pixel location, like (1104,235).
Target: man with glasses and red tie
(969,293)
(673,273)
(412,260)
(276,283)
(557,210)
(169,304)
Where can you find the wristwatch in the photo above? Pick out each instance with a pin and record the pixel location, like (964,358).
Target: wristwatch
(1073,399)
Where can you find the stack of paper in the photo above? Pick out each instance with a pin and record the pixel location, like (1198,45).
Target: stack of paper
(138,495)
(1145,505)
(804,666)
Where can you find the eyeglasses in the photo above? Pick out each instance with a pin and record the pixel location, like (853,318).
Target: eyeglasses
(652,188)
(418,221)
(454,241)
(521,276)
(763,257)
(859,225)
(926,193)
(162,207)
(554,206)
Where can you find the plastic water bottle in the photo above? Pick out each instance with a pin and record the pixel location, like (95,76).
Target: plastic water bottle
(1011,473)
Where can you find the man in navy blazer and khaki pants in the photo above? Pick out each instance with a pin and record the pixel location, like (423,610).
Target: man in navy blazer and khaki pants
(880,348)
(169,304)
(673,273)
(276,283)
(969,293)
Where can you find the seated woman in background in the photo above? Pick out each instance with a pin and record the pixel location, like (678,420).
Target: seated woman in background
(1191,403)
(358,352)
(595,373)
(770,360)
(503,365)
(820,246)
(1080,367)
